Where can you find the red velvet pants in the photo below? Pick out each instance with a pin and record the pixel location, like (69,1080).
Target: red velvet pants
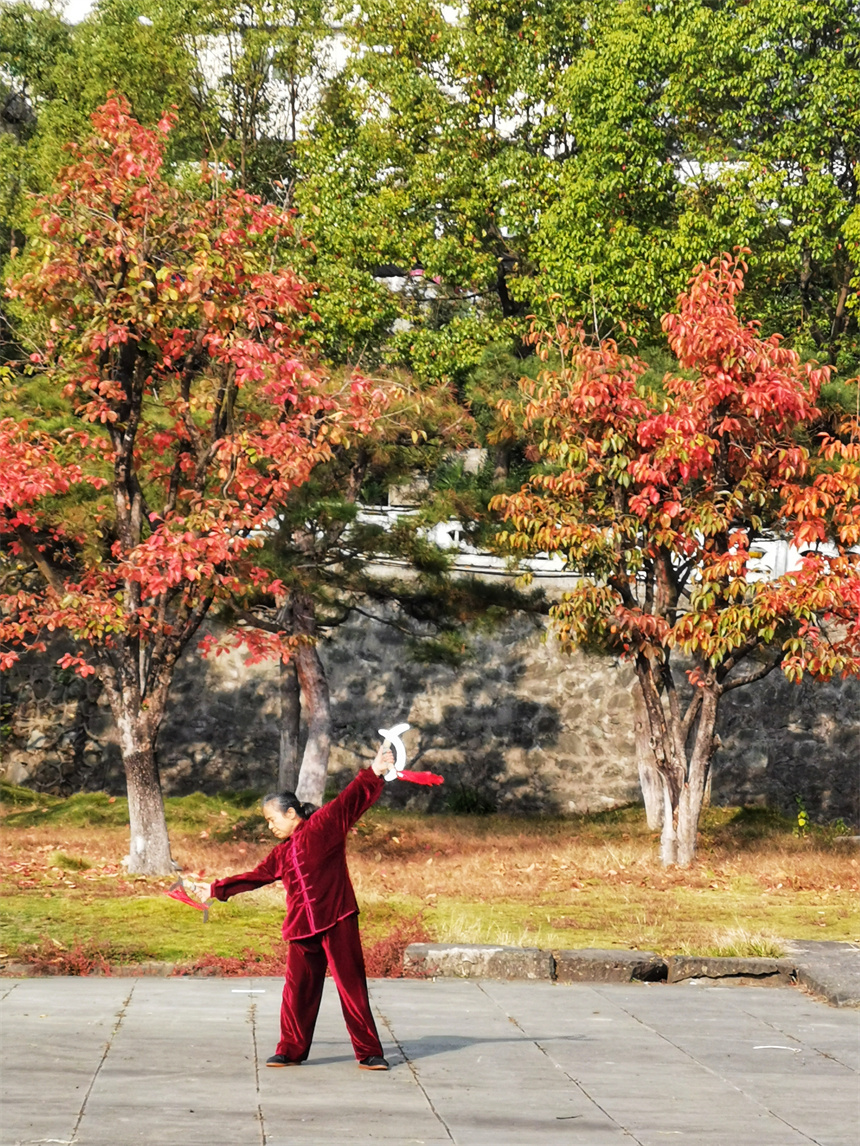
(339,948)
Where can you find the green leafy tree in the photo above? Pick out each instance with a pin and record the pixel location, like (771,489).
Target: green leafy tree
(335,554)
(425,161)
(571,160)
(772,92)
(255,69)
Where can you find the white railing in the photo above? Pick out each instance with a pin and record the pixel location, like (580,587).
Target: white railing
(773,557)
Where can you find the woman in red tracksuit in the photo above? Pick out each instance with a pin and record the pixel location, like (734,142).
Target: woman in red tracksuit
(321,924)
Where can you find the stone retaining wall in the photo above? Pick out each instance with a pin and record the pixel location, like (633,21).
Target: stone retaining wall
(521,724)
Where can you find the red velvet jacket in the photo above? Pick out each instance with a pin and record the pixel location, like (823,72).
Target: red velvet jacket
(312,863)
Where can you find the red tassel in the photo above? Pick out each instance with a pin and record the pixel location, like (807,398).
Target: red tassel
(182,895)
(428,778)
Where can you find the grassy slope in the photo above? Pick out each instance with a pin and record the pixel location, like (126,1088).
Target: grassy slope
(577,882)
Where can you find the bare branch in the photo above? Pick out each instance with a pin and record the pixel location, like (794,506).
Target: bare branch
(758,673)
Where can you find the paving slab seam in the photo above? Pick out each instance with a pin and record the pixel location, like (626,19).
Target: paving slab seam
(413,1070)
(716,1074)
(579,1086)
(786,1034)
(120,1016)
(252,1019)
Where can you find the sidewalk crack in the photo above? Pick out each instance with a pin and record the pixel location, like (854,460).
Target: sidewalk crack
(120,1016)
(557,1066)
(715,1073)
(415,1077)
(787,1034)
(6,994)
(252,1018)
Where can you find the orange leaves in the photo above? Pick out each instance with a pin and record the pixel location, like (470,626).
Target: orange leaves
(660,503)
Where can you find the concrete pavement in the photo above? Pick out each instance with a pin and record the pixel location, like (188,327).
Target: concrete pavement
(179,1062)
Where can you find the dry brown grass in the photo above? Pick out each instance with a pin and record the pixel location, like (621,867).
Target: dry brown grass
(594,881)
(599,882)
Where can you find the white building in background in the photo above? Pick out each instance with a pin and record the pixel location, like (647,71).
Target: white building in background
(773,557)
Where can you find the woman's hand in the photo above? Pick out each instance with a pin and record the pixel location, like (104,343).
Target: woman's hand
(383,761)
(200,890)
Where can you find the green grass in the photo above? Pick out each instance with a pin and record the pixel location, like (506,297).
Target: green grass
(140,928)
(708,925)
(24,808)
(133,930)
(551,882)
(69,863)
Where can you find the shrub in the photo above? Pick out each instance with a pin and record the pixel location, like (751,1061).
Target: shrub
(49,957)
(250,962)
(384,958)
(466,801)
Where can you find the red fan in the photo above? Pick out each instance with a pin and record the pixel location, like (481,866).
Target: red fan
(177,891)
(428,778)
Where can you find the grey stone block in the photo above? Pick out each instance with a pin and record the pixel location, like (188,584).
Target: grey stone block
(739,971)
(477,961)
(593,965)
(829,969)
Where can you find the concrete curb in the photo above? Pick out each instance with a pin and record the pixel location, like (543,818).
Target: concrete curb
(826,969)
(148,969)
(477,961)
(745,972)
(829,970)
(594,965)
(485,961)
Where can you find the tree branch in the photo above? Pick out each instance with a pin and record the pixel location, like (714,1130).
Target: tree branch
(50,574)
(755,674)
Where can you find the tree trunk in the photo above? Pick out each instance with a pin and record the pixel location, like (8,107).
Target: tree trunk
(317,703)
(650,779)
(692,794)
(149,846)
(288,748)
(669,834)
(683,774)
(501,463)
(667,746)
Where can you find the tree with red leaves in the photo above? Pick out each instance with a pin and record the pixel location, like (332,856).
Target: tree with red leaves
(174,412)
(660,499)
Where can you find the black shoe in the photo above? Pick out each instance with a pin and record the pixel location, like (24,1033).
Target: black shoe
(280,1060)
(373,1062)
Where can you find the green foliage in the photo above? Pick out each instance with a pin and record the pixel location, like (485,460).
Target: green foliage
(35,809)
(24,808)
(68,863)
(778,86)
(570,159)
(466,801)
(15,796)
(573,160)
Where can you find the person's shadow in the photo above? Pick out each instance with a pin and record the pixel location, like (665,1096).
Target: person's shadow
(426,1046)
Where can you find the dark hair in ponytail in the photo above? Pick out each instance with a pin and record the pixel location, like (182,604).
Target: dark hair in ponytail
(286,800)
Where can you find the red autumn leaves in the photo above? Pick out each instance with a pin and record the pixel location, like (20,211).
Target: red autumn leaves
(194,405)
(690,478)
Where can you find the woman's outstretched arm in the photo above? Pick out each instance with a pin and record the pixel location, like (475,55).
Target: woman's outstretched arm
(266,872)
(339,814)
